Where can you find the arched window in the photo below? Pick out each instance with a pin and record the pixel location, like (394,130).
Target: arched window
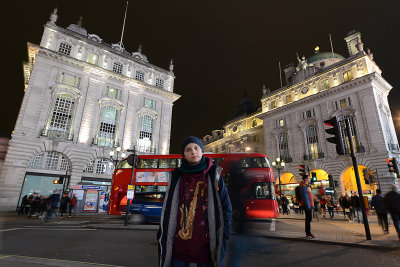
(145,134)
(50,160)
(312,141)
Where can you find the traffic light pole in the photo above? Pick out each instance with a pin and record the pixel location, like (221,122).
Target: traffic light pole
(360,193)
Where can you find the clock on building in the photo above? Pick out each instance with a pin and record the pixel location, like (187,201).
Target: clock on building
(304,90)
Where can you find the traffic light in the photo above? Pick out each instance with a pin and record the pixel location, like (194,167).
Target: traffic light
(302,170)
(336,139)
(313,177)
(55,181)
(61,180)
(392,165)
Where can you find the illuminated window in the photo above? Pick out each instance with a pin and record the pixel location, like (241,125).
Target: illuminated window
(139,76)
(343,103)
(117,67)
(325,84)
(312,141)
(289,99)
(93,58)
(114,92)
(283,145)
(281,122)
(272,104)
(145,134)
(160,83)
(347,76)
(149,103)
(65,49)
(69,79)
(106,135)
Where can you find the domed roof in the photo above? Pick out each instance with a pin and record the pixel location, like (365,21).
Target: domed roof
(246,106)
(321,56)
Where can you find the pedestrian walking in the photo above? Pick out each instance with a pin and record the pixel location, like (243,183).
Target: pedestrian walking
(64,204)
(285,204)
(381,211)
(21,209)
(392,204)
(295,205)
(356,206)
(322,203)
(330,205)
(346,204)
(195,223)
(72,204)
(307,203)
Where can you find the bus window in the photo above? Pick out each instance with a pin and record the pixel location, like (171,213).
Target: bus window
(218,160)
(260,191)
(149,197)
(167,163)
(254,163)
(123,164)
(150,188)
(147,164)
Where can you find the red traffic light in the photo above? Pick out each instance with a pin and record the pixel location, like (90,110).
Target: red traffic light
(389,160)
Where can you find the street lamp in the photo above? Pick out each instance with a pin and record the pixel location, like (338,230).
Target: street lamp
(279,164)
(116,160)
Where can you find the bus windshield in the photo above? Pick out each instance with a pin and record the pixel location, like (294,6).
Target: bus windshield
(261,191)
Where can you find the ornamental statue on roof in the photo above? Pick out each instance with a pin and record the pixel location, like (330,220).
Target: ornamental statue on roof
(302,63)
(53,17)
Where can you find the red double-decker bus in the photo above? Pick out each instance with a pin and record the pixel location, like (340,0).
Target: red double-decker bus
(151,177)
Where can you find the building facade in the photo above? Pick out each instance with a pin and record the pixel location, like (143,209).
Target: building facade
(318,88)
(83,98)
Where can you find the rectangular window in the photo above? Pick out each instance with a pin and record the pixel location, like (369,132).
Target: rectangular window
(349,99)
(139,76)
(107,126)
(325,84)
(343,103)
(117,67)
(70,80)
(93,58)
(149,103)
(273,104)
(145,134)
(65,49)
(114,92)
(255,138)
(288,99)
(62,114)
(281,122)
(160,83)
(347,76)
(336,105)
(308,114)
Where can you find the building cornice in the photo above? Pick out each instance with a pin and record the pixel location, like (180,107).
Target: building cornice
(369,78)
(85,66)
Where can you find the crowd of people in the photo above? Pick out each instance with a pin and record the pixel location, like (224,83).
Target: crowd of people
(47,206)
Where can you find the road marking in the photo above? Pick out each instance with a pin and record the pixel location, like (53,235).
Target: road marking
(11,229)
(272,228)
(45,261)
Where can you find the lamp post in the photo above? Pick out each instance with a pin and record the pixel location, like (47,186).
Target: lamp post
(279,164)
(116,160)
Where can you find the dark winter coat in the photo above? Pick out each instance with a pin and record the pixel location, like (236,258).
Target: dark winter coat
(392,202)
(219,217)
(377,203)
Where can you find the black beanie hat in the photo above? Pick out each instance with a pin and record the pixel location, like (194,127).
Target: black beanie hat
(191,139)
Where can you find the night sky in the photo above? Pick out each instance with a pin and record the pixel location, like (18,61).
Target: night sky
(221,49)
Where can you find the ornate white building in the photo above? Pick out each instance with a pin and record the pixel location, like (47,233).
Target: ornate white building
(320,87)
(83,98)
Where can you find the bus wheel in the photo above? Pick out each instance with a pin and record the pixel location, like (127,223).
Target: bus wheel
(136,218)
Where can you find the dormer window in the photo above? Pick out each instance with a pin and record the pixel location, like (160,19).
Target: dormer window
(347,76)
(65,49)
(272,104)
(139,76)
(325,84)
(117,67)
(289,99)
(160,83)
(93,58)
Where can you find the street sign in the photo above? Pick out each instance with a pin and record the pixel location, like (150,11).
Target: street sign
(130,194)
(131,187)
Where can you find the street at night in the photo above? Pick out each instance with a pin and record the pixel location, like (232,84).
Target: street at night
(86,241)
